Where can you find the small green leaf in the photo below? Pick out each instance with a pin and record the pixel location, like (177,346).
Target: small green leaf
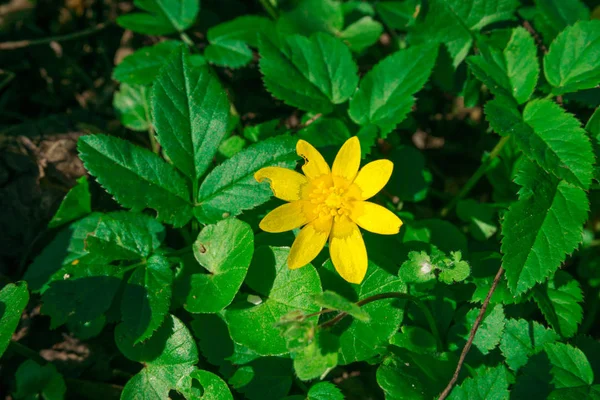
(228,53)
(190,110)
(312,16)
(267,378)
(481,217)
(571,63)
(559,299)
(325,132)
(281,290)
(13,299)
(137,178)
(385,94)
(168,357)
(513,72)
(317,358)
(264,130)
(561,14)
(522,339)
(132,103)
(491,384)
(141,67)
(398,14)
(490,330)
(415,339)
(324,391)
(212,387)
(231,188)
(162,17)
(311,74)
(570,367)
(418,268)
(334,301)
(362,34)
(225,250)
(245,29)
(76,204)
(34,381)
(146,299)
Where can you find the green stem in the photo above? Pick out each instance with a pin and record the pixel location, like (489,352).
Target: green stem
(476,176)
(27,352)
(393,295)
(186,39)
(269,8)
(133,266)
(153,142)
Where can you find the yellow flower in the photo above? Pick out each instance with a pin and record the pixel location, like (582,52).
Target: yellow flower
(330,203)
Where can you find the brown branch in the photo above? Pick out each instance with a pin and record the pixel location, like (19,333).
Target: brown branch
(536,36)
(467,347)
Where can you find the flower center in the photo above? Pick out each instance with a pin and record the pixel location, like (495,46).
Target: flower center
(329,200)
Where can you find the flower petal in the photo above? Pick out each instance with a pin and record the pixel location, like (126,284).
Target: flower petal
(347,160)
(314,163)
(287,217)
(375,218)
(372,177)
(347,250)
(286,184)
(309,242)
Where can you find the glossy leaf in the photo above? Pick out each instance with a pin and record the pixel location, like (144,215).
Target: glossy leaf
(76,204)
(132,103)
(161,17)
(142,67)
(13,299)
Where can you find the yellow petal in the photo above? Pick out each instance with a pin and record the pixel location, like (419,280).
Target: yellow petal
(309,242)
(314,163)
(373,177)
(375,218)
(347,250)
(287,217)
(286,184)
(347,160)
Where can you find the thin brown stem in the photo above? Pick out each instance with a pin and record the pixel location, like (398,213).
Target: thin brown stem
(467,347)
(27,43)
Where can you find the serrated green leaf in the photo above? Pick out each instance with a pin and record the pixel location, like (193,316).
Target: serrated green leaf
(228,53)
(190,110)
(13,299)
(560,14)
(162,17)
(360,340)
(34,381)
(212,387)
(267,378)
(491,384)
(168,356)
(334,301)
(311,74)
(571,63)
(132,103)
(485,266)
(225,250)
(362,34)
(281,290)
(522,339)
(317,358)
(246,29)
(570,367)
(454,23)
(312,16)
(541,228)
(490,330)
(84,293)
(141,67)
(76,204)
(231,188)
(137,178)
(512,72)
(146,298)
(455,269)
(559,299)
(385,94)
(324,391)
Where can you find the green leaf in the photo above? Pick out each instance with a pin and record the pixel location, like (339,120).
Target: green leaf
(398,14)
(324,391)
(212,387)
(490,330)
(310,74)
(334,301)
(534,379)
(281,291)
(481,217)
(162,17)
(132,103)
(571,63)
(13,299)
(362,34)
(231,188)
(84,293)
(489,384)
(385,94)
(455,22)
(137,178)
(522,339)
(312,16)
(267,378)
(360,340)
(264,130)
(225,250)
(228,53)
(317,358)
(231,146)
(245,29)
(415,339)
(168,357)
(190,110)
(325,132)
(76,204)
(146,299)
(36,381)
(570,367)
(141,67)
(559,299)
(541,228)
(560,14)
(513,72)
